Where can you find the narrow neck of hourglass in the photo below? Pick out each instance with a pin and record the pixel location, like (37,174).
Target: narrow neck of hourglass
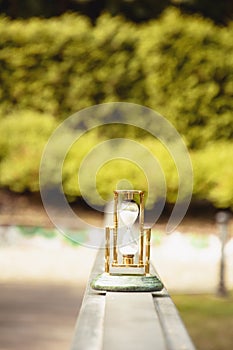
(128,259)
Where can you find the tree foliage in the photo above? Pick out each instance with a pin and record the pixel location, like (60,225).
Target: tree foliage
(188,70)
(181,66)
(23,138)
(135,10)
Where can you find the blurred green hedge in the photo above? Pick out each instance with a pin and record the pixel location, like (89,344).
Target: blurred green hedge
(23,137)
(188,66)
(181,66)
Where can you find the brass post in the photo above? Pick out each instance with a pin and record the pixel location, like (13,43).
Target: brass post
(147,263)
(115,228)
(107,251)
(141,221)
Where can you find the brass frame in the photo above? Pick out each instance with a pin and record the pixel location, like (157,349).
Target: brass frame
(128,195)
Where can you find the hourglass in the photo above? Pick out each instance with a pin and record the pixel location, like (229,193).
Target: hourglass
(127,255)
(128,213)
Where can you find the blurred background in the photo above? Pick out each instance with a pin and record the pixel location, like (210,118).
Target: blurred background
(58,57)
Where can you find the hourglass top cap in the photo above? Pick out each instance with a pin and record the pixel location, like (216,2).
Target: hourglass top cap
(128,192)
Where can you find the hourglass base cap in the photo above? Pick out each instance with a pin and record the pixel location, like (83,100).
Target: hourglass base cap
(127,283)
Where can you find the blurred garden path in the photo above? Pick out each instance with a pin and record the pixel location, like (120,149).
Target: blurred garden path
(38,316)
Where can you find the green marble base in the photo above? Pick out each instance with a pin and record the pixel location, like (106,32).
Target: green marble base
(127,283)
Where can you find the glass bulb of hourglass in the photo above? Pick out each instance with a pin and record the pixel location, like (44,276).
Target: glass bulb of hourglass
(128,212)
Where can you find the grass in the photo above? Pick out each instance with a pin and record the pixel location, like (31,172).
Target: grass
(208,319)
